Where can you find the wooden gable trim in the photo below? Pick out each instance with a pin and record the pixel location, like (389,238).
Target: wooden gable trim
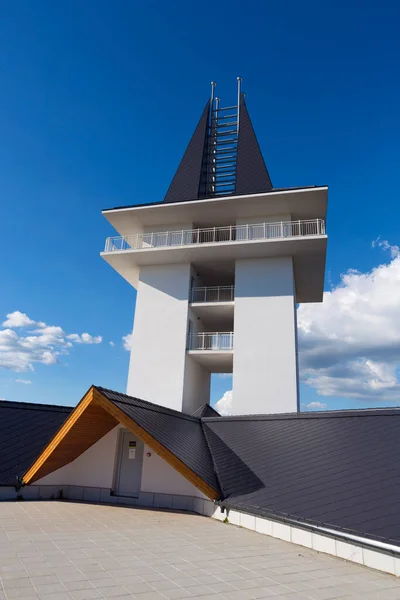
(84,427)
(61,433)
(94,397)
(155,445)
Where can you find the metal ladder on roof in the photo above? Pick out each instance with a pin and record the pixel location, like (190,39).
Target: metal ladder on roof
(223,146)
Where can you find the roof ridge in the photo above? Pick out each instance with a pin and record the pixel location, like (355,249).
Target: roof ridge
(213,461)
(152,405)
(333,414)
(34,405)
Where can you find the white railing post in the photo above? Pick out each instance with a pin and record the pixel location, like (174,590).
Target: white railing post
(203,340)
(230,233)
(205,294)
(318,232)
(218,294)
(281,228)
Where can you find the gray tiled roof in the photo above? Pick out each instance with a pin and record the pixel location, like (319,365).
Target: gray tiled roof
(25,429)
(181,434)
(339,469)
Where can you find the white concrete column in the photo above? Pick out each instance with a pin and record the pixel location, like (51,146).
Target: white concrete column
(196,386)
(265,346)
(158,355)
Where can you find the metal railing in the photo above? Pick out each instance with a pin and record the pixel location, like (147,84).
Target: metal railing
(210,341)
(210,235)
(217,293)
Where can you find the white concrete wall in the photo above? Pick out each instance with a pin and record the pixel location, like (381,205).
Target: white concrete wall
(95,468)
(197,380)
(196,386)
(264,360)
(347,549)
(284,216)
(159,477)
(173,227)
(198,324)
(157,363)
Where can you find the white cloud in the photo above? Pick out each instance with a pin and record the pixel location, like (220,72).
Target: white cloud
(85,338)
(224,404)
(127,341)
(112,344)
(17,319)
(35,342)
(314,406)
(24,381)
(384,245)
(349,345)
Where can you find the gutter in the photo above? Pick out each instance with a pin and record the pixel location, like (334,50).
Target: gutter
(363,542)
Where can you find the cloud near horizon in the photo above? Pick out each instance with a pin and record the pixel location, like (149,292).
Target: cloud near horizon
(25,342)
(349,345)
(224,404)
(127,342)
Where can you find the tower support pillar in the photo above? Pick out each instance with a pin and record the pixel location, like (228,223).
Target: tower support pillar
(265,351)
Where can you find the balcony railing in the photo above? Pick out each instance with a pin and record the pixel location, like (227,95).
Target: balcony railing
(219,341)
(231,233)
(218,293)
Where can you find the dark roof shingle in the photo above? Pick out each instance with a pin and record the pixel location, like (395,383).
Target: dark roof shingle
(25,429)
(336,469)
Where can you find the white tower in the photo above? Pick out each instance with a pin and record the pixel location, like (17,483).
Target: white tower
(219,266)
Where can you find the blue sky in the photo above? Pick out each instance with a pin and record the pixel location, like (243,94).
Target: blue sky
(98,102)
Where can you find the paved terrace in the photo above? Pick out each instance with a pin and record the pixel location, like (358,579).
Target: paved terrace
(63,551)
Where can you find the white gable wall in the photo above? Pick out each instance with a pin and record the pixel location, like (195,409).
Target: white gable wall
(93,468)
(96,466)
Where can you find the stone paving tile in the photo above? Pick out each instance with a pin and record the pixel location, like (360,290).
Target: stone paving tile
(138,588)
(177,593)
(73,586)
(85,594)
(150,596)
(113,591)
(59,551)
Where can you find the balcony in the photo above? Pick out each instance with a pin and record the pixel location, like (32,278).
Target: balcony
(218,293)
(216,235)
(214,341)
(304,240)
(212,350)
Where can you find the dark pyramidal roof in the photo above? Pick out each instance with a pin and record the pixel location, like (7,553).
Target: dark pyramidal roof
(223,156)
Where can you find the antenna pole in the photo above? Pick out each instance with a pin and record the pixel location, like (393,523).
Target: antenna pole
(239,91)
(213,84)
